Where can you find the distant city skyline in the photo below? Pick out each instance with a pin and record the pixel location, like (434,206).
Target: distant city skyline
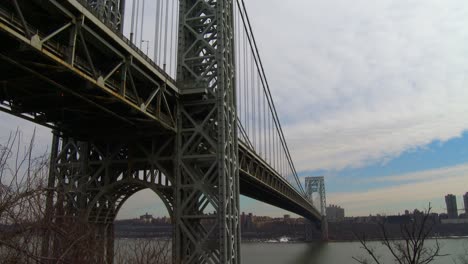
(465,202)
(452,207)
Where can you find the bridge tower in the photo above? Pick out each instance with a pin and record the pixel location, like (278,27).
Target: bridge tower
(207,173)
(194,171)
(316,185)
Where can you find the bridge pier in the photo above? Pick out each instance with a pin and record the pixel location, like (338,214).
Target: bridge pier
(88,183)
(324,228)
(309,228)
(314,231)
(315,189)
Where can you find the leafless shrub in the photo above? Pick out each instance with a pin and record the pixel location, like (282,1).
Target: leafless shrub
(23,221)
(22,189)
(142,251)
(410,249)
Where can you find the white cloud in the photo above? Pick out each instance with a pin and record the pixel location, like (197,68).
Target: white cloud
(424,187)
(369,79)
(452,171)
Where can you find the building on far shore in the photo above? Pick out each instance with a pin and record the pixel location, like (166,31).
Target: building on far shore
(146,218)
(451,202)
(247,221)
(335,213)
(465,203)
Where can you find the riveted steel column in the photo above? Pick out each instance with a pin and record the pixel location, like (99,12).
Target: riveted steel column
(207,184)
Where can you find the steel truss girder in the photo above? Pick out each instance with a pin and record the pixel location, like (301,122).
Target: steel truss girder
(90,180)
(80,45)
(207,178)
(260,181)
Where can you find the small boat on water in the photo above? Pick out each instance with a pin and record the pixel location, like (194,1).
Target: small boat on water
(279,240)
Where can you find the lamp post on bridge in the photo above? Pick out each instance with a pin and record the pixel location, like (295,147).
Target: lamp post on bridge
(147,45)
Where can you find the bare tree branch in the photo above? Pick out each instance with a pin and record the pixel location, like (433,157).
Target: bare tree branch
(411,247)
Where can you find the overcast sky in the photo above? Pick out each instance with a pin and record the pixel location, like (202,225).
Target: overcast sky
(372,94)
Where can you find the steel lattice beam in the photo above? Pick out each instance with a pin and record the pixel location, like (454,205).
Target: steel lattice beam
(90,180)
(81,68)
(207,201)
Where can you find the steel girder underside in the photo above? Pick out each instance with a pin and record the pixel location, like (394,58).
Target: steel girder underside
(64,68)
(259,181)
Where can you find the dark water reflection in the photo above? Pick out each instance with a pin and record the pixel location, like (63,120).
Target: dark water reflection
(332,253)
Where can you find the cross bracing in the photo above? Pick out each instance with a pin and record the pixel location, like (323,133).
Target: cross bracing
(198,136)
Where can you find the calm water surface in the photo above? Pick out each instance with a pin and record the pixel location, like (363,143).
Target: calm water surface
(333,253)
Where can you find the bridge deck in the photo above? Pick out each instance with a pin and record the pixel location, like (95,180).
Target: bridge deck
(73,67)
(73,74)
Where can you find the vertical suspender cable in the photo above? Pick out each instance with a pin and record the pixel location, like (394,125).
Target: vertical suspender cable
(176,37)
(132,21)
(165,34)
(254,125)
(249,98)
(246,119)
(264,125)
(142,19)
(274,147)
(237,38)
(282,165)
(266,85)
(156,36)
(260,120)
(273,132)
(136,21)
(282,162)
(171,45)
(270,149)
(259,115)
(281,154)
(160,34)
(278,152)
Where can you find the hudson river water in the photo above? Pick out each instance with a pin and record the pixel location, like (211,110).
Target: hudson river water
(334,252)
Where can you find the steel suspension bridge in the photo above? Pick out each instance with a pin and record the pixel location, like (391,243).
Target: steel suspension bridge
(192,119)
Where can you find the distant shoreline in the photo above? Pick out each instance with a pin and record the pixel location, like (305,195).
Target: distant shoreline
(342,240)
